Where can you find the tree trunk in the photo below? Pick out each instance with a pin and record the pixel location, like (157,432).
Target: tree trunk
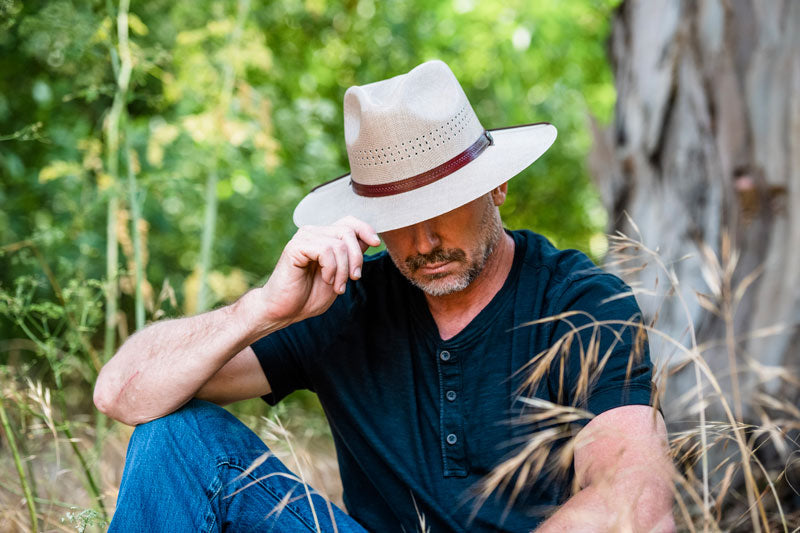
(704,152)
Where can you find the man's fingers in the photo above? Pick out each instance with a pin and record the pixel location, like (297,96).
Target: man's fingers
(332,256)
(362,230)
(339,248)
(354,253)
(327,262)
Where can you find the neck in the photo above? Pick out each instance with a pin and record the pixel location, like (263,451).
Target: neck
(452,312)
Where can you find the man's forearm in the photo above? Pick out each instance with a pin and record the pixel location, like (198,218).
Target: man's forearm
(161,367)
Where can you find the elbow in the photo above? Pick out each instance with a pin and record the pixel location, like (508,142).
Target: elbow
(109,399)
(106,403)
(103,397)
(106,399)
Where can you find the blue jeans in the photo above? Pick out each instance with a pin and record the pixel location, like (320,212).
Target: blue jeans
(190,471)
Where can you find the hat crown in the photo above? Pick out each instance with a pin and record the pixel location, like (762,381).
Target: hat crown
(406,125)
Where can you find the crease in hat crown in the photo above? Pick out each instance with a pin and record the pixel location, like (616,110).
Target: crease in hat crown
(406,125)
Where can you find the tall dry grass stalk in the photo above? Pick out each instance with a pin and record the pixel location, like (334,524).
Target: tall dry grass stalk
(123,67)
(210,217)
(43,325)
(23,477)
(35,413)
(136,217)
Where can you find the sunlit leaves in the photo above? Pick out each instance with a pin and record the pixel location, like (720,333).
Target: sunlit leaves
(281,132)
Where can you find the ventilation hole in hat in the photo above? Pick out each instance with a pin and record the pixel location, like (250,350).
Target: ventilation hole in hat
(441,136)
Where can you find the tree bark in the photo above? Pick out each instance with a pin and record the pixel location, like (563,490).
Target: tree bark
(705,148)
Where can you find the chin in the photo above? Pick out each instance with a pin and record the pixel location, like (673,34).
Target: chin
(443,284)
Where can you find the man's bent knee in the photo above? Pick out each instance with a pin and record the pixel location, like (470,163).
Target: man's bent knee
(195,418)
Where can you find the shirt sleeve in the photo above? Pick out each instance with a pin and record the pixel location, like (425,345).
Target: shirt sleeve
(601,354)
(288,356)
(281,360)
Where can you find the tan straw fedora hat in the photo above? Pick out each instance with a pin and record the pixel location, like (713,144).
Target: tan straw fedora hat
(417,150)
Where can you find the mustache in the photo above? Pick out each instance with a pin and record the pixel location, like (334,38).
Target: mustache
(440,255)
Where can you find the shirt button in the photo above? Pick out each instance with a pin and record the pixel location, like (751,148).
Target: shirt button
(444,355)
(451,438)
(451,395)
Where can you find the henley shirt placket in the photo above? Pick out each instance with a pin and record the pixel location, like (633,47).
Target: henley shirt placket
(451,423)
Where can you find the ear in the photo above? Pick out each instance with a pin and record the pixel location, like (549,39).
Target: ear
(499,194)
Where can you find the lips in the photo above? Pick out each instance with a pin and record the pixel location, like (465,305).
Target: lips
(434,268)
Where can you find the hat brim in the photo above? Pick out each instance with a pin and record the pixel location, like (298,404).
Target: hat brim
(514,149)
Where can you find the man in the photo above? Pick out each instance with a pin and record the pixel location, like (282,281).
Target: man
(420,356)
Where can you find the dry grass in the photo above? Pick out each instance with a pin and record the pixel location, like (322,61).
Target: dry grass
(731,474)
(736,458)
(65,504)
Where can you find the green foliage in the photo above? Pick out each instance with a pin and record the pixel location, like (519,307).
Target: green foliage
(518,61)
(269,140)
(81,519)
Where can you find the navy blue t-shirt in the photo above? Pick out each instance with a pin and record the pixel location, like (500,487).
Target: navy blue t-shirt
(419,421)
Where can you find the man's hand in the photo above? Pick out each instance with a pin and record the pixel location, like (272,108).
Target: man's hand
(314,268)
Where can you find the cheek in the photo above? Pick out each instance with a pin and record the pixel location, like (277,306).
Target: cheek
(394,240)
(400,244)
(397,258)
(395,252)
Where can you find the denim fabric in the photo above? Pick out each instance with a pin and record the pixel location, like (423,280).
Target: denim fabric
(186,472)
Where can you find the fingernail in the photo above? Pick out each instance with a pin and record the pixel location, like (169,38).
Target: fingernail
(357,272)
(375,237)
(341,288)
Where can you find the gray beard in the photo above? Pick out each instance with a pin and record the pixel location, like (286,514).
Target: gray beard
(461,281)
(490,233)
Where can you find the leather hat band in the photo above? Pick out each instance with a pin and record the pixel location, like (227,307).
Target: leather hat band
(427,177)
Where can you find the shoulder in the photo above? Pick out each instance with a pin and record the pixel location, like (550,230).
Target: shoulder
(561,266)
(569,277)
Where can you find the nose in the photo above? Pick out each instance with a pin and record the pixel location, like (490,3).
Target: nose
(425,237)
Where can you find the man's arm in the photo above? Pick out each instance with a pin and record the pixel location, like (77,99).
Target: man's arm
(625,474)
(241,378)
(160,368)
